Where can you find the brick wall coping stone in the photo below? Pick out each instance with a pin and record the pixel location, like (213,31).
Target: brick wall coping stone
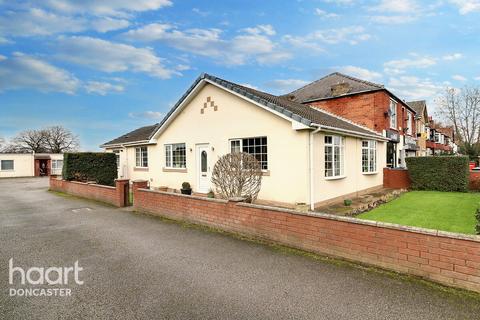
(91,184)
(185,195)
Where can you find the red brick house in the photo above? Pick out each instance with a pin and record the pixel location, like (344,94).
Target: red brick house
(368,104)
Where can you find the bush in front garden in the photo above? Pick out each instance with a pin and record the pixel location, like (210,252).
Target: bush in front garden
(449,173)
(100,167)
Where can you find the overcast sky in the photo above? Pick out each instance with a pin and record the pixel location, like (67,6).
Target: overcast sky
(102,68)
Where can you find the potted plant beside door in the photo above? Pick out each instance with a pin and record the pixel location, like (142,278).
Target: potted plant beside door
(186,189)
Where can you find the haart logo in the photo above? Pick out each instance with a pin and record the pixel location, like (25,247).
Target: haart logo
(38,276)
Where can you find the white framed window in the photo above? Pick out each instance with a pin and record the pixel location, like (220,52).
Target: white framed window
(6,165)
(141,157)
(256,146)
(175,155)
(57,164)
(334,156)
(369,156)
(409,123)
(393,114)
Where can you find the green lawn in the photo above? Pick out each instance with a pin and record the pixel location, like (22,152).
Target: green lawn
(448,211)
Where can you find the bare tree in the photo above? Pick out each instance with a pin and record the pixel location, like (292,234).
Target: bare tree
(29,141)
(59,139)
(461,108)
(237,175)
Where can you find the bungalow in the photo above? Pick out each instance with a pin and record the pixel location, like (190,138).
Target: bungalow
(307,155)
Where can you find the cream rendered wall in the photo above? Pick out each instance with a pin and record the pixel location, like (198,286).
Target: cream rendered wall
(288,154)
(22,165)
(354,179)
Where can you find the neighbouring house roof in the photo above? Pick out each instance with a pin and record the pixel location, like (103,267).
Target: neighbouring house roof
(418,106)
(323,88)
(295,111)
(137,135)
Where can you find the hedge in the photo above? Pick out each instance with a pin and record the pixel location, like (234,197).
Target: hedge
(448,173)
(100,167)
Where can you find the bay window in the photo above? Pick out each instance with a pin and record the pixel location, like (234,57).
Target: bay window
(369,156)
(175,155)
(334,156)
(256,146)
(141,157)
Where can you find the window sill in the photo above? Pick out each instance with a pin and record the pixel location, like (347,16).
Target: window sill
(182,170)
(336,178)
(369,173)
(8,170)
(140,168)
(265,173)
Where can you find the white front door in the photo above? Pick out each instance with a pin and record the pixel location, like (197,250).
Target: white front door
(203,168)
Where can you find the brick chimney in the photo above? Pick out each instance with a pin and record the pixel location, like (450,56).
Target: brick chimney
(339,89)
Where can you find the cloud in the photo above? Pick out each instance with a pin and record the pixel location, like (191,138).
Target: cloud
(392,19)
(324,14)
(105,7)
(395,6)
(200,12)
(111,57)
(109,24)
(38,22)
(414,88)
(26,72)
(459,77)
(453,56)
(351,35)
(341,2)
(466,6)
(261,28)
(154,115)
(416,61)
(4,40)
(102,88)
(286,85)
(252,44)
(361,73)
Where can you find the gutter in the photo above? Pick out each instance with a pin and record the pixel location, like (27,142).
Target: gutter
(350,132)
(128,144)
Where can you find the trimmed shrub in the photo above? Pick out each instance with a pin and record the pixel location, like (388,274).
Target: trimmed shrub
(447,173)
(100,167)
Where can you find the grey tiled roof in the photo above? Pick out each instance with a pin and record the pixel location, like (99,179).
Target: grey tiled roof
(139,134)
(321,88)
(291,109)
(294,110)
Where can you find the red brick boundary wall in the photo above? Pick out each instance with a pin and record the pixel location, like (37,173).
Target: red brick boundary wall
(117,196)
(448,258)
(396,178)
(475,180)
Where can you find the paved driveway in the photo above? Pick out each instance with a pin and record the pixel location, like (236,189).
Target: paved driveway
(139,267)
